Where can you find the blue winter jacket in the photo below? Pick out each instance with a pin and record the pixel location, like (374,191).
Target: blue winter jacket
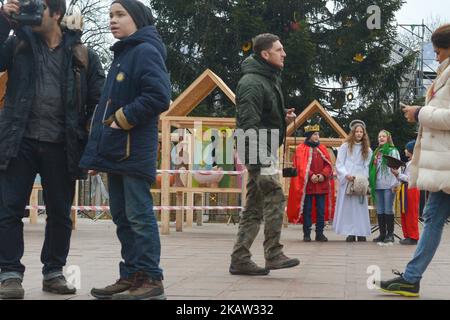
(137,90)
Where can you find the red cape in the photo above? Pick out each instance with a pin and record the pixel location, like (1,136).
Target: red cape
(302,160)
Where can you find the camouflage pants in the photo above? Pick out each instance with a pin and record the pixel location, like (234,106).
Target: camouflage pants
(265,200)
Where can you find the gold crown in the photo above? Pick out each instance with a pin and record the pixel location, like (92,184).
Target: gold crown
(314,128)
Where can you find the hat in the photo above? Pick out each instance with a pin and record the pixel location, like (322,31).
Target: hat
(357,122)
(309,130)
(410,146)
(140,13)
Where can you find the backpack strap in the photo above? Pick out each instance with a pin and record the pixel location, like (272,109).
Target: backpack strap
(81,56)
(20,46)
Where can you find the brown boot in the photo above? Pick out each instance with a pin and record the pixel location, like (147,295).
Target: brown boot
(281,262)
(248,268)
(143,288)
(106,293)
(58,285)
(11,289)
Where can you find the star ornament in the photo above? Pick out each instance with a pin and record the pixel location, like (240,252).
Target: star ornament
(359,58)
(246,46)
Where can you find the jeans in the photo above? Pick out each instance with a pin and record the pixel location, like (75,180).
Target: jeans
(131,207)
(436,212)
(320,213)
(384,201)
(16,183)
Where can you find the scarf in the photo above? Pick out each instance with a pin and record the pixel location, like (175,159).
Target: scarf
(385,149)
(312,144)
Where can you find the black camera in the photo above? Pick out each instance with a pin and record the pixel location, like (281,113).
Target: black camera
(31,12)
(289,172)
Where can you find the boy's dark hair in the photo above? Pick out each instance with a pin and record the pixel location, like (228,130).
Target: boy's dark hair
(264,41)
(441,37)
(56,6)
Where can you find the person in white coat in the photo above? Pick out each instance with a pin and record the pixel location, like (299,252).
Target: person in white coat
(352,214)
(430,168)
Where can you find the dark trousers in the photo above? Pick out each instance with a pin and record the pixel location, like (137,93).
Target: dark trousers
(16,183)
(320,213)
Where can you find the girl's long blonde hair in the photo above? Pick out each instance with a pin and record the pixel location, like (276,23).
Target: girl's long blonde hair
(389,136)
(351,140)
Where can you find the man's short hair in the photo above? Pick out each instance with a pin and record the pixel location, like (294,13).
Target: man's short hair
(264,41)
(56,6)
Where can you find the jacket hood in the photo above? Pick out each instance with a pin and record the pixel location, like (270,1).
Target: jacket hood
(256,64)
(147,34)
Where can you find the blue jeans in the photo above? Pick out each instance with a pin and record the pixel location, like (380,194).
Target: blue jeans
(16,183)
(384,201)
(320,213)
(437,211)
(131,206)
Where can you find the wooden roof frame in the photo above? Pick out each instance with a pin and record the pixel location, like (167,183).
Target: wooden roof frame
(313,108)
(202,87)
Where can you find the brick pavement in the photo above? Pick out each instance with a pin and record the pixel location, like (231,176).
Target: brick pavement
(196,262)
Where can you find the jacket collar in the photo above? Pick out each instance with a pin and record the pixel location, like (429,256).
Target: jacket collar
(443,74)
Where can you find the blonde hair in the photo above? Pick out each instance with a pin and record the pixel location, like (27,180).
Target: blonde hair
(389,136)
(351,140)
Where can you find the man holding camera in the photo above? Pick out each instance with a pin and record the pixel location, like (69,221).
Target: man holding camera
(260,106)
(51,94)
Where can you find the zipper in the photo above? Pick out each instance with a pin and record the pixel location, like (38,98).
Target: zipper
(106,109)
(92,120)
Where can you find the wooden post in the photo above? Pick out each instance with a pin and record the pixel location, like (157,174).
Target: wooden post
(190,212)
(34,201)
(165,183)
(179,215)
(200,212)
(73,214)
(284,181)
(244,188)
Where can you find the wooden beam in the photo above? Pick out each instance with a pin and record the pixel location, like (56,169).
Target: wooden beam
(192,96)
(34,201)
(189,122)
(313,108)
(329,142)
(205,189)
(73,213)
(197,92)
(3,81)
(179,219)
(165,183)
(225,89)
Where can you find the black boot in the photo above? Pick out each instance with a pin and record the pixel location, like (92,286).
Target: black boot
(390,228)
(382,228)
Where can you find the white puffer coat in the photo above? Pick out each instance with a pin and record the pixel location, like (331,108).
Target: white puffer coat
(430,166)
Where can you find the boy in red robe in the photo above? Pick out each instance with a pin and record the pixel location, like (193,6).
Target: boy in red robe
(311,193)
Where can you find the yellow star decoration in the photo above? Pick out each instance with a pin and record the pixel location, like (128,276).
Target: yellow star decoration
(359,57)
(246,46)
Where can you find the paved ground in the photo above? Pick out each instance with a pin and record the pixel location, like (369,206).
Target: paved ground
(196,263)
